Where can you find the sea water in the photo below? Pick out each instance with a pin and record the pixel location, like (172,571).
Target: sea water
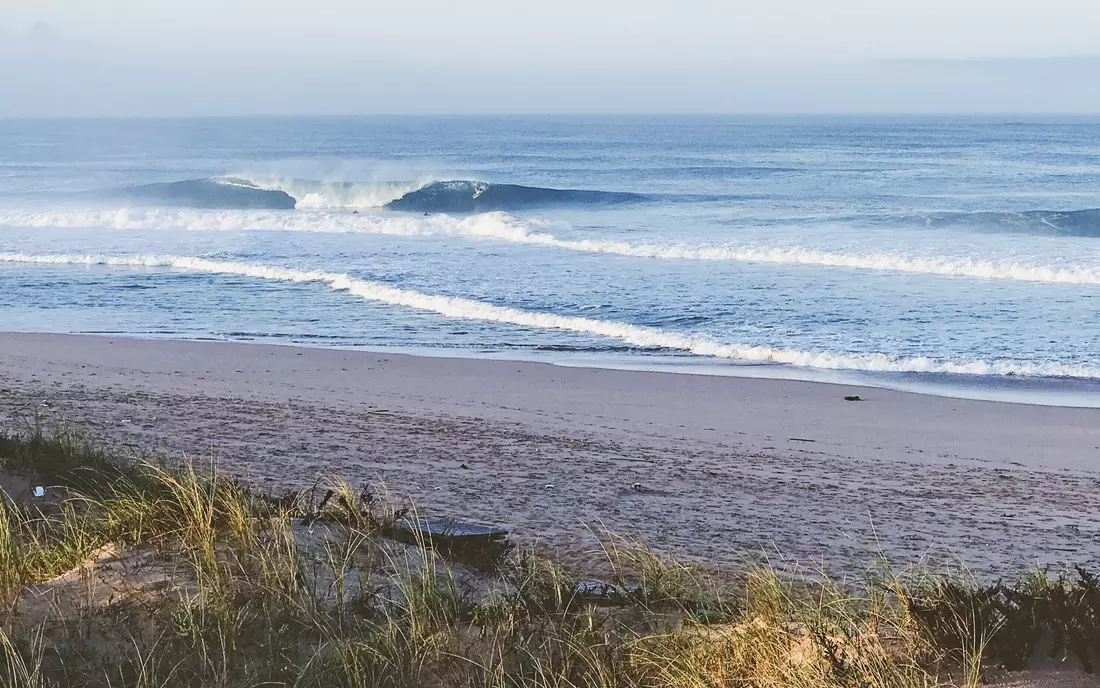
(951,255)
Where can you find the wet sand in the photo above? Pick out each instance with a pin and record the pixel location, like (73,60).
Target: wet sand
(713,469)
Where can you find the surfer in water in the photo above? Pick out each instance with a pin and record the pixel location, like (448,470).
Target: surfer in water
(479,188)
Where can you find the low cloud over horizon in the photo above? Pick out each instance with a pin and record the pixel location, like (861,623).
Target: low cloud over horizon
(610,58)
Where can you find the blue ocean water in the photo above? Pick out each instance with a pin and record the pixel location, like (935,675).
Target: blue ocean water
(958,255)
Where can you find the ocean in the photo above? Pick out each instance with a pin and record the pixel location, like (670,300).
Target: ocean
(957,256)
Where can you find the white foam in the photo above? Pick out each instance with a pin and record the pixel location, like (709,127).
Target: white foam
(886,262)
(632,334)
(328,195)
(499,226)
(494,225)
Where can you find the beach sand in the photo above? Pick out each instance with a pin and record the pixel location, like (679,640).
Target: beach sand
(703,468)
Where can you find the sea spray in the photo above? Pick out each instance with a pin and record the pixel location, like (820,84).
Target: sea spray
(320,195)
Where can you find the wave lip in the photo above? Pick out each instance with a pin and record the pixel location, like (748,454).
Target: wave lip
(480,197)
(260,193)
(636,335)
(211,193)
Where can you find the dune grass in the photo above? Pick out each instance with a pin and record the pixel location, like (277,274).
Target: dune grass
(140,574)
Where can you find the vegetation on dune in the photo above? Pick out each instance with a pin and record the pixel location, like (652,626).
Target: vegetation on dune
(132,573)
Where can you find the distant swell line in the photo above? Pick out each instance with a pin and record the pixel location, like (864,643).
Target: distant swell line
(497,226)
(632,334)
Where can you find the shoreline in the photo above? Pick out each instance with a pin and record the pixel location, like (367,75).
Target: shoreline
(758,464)
(1021,390)
(1007,390)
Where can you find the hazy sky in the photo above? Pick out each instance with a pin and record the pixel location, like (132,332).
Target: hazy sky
(155,57)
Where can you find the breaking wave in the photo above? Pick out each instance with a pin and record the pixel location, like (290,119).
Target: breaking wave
(245,193)
(318,195)
(498,226)
(248,193)
(631,334)
(210,193)
(480,197)
(469,197)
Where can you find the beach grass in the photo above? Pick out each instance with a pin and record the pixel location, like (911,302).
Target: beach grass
(141,573)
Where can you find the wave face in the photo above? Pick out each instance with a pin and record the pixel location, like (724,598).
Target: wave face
(1078,223)
(480,197)
(501,227)
(634,335)
(210,193)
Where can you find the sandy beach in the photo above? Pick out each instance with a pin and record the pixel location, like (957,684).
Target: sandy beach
(714,469)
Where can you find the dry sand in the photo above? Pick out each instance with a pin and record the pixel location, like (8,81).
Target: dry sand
(727,467)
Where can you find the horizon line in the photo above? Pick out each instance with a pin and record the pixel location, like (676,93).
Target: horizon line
(551,115)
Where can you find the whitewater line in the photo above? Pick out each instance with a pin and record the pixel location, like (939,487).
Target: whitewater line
(497,226)
(636,335)
(884,262)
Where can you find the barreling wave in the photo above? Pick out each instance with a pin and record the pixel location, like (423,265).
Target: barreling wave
(1079,223)
(210,193)
(635,335)
(251,193)
(309,194)
(480,197)
(498,226)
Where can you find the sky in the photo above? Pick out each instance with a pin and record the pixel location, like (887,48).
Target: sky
(240,57)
